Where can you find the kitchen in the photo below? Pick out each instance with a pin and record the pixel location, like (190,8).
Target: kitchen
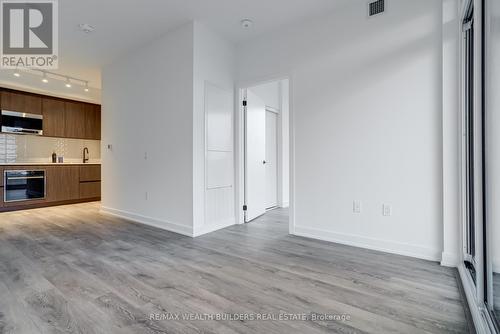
(49,150)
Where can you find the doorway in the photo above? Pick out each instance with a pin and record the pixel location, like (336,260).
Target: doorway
(271,162)
(265,165)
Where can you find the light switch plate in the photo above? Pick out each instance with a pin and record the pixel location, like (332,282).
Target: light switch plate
(356,206)
(387,210)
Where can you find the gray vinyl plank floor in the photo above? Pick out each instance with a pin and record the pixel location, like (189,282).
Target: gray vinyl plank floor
(71,269)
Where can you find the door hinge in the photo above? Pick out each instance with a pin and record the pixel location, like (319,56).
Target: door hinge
(245,208)
(244,103)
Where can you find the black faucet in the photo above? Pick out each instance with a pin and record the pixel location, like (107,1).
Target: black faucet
(85,155)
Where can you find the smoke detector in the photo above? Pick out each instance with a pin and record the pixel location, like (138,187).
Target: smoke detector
(86,28)
(246,23)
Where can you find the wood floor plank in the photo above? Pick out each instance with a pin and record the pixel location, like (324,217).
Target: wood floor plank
(73,269)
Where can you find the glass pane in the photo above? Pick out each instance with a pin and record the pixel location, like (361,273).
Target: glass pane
(492,130)
(470,142)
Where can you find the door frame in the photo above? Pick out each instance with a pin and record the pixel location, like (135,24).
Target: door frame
(239,147)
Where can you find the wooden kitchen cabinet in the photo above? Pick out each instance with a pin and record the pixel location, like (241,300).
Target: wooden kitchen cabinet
(61,117)
(63,183)
(74,121)
(54,120)
(21,102)
(92,121)
(90,190)
(90,173)
(90,181)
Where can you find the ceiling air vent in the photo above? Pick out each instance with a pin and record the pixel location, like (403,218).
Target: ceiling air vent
(377,7)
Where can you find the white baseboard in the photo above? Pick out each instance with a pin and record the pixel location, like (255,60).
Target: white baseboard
(370,243)
(449,259)
(213,227)
(165,225)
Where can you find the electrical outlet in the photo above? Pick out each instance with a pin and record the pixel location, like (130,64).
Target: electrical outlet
(387,210)
(356,206)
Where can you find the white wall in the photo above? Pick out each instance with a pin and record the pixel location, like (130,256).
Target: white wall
(148,109)
(367,104)
(451,134)
(270,93)
(214,65)
(284,182)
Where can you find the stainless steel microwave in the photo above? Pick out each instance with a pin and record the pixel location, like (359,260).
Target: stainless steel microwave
(21,123)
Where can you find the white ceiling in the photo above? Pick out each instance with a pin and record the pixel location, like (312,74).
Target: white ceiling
(122,25)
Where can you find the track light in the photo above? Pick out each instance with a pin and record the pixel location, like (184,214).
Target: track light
(47,76)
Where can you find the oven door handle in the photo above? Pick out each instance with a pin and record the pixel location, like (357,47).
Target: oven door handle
(24,177)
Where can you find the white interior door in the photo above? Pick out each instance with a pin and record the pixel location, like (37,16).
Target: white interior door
(271,159)
(255,156)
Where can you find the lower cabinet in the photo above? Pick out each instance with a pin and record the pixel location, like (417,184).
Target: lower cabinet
(90,189)
(63,183)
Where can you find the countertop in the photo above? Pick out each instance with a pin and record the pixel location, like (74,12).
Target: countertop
(47,163)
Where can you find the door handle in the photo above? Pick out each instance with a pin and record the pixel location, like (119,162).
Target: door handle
(264,162)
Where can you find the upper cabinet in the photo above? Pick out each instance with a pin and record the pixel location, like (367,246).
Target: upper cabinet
(83,120)
(61,117)
(54,117)
(74,120)
(21,102)
(92,121)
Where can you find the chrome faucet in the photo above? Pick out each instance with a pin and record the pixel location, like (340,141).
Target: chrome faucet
(85,155)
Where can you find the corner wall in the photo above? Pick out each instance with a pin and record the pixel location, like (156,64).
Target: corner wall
(451,134)
(367,116)
(147,119)
(214,66)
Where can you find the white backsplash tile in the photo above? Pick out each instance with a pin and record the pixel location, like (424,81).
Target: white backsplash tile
(36,149)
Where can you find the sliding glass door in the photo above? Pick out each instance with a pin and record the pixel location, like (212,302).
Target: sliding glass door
(471,149)
(491,238)
(481,158)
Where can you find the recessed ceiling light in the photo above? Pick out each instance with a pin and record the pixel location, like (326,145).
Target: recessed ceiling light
(86,28)
(246,23)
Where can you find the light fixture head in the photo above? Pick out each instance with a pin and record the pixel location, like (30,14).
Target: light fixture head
(246,23)
(68,83)
(86,28)
(16,73)
(86,89)
(44,78)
